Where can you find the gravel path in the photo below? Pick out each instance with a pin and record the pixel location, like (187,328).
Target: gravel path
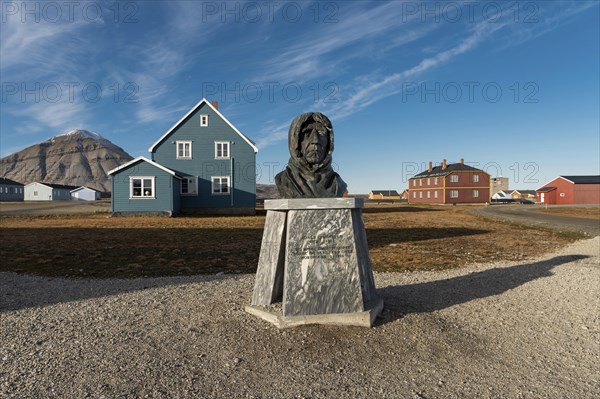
(528,215)
(528,330)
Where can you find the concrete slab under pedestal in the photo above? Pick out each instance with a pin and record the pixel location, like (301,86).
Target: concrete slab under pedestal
(358,319)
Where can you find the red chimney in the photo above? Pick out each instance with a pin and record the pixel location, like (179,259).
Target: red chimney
(215,104)
(462,160)
(430,166)
(443,164)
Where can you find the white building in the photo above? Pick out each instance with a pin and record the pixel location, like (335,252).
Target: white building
(85,194)
(47,192)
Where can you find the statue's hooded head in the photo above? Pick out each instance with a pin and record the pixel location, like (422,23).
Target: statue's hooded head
(311,141)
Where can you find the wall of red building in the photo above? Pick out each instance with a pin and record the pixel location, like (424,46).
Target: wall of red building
(465,186)
(567,193)
(465,196)
(563,195)
(586,194)
(415,198)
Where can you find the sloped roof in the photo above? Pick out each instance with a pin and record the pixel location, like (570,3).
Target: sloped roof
(453,167)
(545,189)
(6,181)
(53,185)
(194,108)
(84,188)
(592,179)
(385,192)
(530,192)
(144,159)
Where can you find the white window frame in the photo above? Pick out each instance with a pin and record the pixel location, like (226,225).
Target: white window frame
(453,178)
(420,194)
(212,185)
(203,120)
(475,178)
(435,194)
(414,194)
(475,193)
(435,181)
(453,193)
(428,194)
(193,178)
(184,142)
(421,182)
(428,181)
(223,144)
(153,185)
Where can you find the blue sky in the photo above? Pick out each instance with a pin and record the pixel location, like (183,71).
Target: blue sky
(510,87)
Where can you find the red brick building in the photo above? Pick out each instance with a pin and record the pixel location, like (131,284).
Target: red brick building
(565,190)
(454,183)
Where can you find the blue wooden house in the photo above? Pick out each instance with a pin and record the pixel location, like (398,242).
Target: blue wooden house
(11,190)
(203,163)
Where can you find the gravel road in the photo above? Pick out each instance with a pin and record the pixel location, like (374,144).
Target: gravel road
(527,330)
(528,215)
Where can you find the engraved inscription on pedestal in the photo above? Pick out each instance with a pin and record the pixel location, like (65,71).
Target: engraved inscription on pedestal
(322,273)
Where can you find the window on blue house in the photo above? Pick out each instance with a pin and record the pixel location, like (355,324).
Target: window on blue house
(220,185)
(221,149)
(184,149)
(204,120)
(142,187)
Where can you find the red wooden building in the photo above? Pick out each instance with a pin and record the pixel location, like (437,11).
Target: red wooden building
(566,190)
(454,183)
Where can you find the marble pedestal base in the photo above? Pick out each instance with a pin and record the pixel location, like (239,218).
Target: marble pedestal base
(314,259)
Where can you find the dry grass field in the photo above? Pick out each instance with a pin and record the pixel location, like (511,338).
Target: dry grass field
(401,237)
(588,213)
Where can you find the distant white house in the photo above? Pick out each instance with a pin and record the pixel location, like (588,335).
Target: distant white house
(85,194)
(502,194)
(48,192)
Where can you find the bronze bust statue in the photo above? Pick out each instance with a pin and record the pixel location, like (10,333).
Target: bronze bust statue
(309,173)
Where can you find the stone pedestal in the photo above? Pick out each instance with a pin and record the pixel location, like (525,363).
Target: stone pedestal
(314,259)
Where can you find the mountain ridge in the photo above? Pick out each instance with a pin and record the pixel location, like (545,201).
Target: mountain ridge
(77,157)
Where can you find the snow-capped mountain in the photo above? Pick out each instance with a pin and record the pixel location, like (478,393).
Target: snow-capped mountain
(77,157)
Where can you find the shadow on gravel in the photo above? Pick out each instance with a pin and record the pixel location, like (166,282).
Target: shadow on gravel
(441,294)
(24,291)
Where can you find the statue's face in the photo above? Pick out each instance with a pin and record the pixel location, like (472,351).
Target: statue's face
(314,142)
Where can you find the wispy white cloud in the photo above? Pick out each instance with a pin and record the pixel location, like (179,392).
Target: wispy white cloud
(542,20)
(313,55)
(43,57)
(370,93)
(365,90)
(272,133)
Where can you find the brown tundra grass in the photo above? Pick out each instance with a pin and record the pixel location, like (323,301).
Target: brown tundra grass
(401,238)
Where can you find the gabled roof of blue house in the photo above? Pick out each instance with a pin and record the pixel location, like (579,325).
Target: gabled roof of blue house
(144,159)
(194,108)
